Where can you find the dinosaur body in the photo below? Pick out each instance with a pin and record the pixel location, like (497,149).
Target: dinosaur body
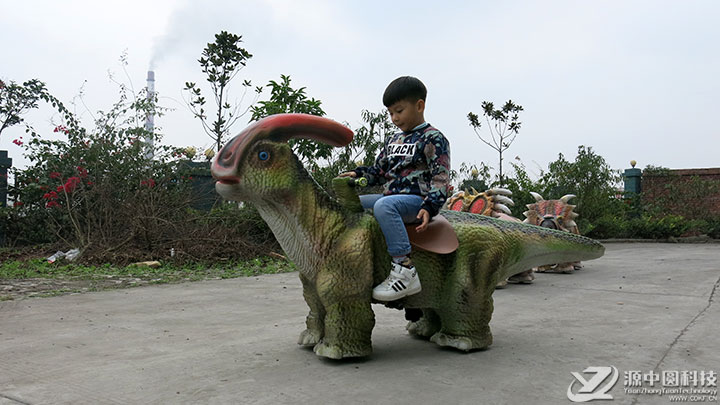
(340,250)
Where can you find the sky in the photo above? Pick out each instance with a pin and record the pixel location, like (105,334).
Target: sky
(633,79)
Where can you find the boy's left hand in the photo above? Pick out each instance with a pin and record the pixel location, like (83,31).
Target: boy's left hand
(425,217)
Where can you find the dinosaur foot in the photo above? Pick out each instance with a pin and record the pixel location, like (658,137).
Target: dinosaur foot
(309,337)
(422,328)
(463,343)
(331,351)
(563,268)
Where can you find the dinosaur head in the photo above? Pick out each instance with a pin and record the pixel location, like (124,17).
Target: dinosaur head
(258,163)
(554,214)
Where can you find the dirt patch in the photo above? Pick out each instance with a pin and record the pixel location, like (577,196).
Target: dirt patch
(13,289)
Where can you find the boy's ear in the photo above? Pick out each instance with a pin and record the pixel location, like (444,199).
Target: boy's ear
(420,105)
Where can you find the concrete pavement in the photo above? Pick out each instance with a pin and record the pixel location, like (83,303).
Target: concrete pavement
(642,307)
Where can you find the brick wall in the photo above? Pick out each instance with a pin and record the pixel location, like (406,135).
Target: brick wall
(692,193)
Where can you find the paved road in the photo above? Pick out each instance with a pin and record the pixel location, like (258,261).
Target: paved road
(641,307)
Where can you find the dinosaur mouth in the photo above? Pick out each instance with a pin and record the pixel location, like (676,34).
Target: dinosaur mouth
(229,181)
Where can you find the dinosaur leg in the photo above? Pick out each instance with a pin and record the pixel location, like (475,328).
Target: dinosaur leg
(467,306)
(348,329)
(315,319)
(466,325)
(426,326)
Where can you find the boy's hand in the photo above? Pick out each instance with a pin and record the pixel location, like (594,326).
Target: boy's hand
(348,174)
(425,217)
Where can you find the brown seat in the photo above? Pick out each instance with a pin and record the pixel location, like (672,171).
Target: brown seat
(439,237)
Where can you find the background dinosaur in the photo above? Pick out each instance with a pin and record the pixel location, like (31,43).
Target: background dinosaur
(340,251)
(554,214)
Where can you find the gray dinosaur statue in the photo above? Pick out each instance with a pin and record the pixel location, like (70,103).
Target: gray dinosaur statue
(340,250)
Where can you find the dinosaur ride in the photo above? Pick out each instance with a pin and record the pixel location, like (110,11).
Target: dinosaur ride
(340,251)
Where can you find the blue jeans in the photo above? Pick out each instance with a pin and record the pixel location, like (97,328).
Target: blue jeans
(392,213)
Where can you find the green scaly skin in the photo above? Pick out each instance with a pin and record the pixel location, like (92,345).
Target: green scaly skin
(341,254)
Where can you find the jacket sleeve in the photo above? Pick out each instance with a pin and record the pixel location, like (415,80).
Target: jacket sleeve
(374,174)
(437,155)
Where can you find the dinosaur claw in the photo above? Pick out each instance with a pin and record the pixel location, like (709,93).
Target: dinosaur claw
(422,328)
(459,342)
(309,338)
(331,351)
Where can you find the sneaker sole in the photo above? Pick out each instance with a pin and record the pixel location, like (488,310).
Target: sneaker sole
(397,297)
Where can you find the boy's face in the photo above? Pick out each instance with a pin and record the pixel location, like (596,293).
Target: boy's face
(406,115)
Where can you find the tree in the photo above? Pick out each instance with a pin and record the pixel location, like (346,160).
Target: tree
(362,151)
(367,141)
(590,178)
(17,99)
(503,128)
(221,61)
(474,176)
(285,99)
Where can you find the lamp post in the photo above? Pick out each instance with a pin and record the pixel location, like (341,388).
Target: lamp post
(5,164)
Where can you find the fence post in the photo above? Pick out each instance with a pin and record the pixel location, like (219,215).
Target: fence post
(5,164)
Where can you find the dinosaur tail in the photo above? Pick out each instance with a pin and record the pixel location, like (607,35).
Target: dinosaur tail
(541,246)
(517,247)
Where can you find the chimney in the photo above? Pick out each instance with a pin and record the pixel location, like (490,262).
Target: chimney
(150,120)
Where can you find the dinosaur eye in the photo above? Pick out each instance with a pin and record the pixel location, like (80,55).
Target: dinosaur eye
(263,155)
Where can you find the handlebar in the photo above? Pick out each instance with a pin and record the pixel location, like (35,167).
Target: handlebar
(358,182)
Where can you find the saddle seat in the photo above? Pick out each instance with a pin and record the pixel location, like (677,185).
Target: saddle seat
(439,237)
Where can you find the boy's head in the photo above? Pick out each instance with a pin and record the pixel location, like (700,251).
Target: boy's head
(404,98)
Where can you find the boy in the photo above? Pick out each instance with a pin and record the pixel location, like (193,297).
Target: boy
(414,167)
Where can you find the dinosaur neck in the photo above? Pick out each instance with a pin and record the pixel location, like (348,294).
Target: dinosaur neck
(305,222)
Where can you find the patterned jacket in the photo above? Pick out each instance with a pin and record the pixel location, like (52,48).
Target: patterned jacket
(416,162)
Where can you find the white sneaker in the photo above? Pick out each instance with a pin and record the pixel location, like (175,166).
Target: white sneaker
(401,282)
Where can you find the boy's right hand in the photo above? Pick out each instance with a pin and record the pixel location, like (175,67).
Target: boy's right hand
(348,174)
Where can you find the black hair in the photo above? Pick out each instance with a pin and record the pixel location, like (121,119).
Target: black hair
(405,88)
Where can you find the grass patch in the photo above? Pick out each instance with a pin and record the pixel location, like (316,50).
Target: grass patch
(38,278)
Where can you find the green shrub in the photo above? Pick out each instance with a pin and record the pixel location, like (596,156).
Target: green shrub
(97,189)
(647,227)
(605,227)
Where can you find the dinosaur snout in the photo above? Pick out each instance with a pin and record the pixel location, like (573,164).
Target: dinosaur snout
(224,167)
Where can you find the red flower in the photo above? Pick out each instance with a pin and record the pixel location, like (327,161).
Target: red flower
(149,182)
(55,175)
(90,183)
(18,203)
(71,183)
(60,189)
(52,204)
(17,142)
(61,128)
(82,171)
(50,196)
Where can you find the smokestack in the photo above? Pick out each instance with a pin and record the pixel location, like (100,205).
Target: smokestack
(150,120)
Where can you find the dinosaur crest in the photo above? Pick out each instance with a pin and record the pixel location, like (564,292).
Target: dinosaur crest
(552,212)
(278,128)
